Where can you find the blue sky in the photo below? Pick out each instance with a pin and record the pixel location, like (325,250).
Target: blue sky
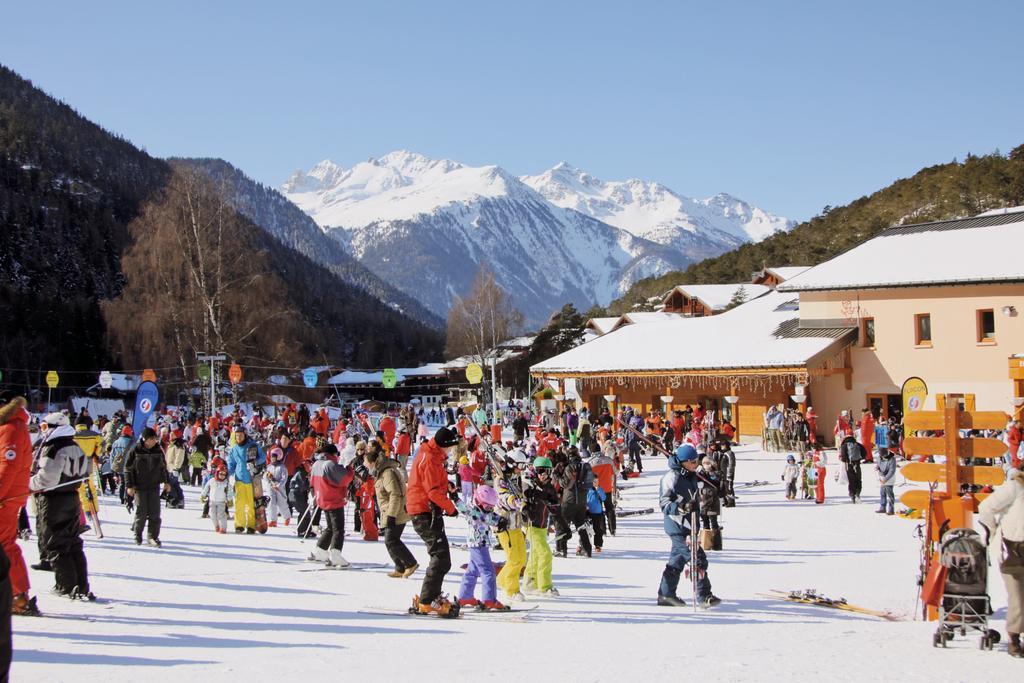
(790,106)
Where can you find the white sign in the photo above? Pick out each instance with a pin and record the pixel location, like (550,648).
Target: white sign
(105,379)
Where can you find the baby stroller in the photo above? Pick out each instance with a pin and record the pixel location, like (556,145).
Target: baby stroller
(965,603)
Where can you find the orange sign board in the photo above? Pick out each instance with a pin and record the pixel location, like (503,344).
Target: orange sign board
(969,448)
(934,472)
(918,499)
(148,375)
(235,373)
(933,420)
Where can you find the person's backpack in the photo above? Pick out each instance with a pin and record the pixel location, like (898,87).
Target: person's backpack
(853,452)
(812,475)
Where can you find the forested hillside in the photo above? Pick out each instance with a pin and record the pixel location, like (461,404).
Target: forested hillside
(956,189)
(69,191)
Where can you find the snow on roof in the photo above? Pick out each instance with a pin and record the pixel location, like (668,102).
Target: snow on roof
(787,272)
(978,249)
(643,318)
(717,297)
(517,342)
(377,376)
(762,333)
(603,325)
(427,370)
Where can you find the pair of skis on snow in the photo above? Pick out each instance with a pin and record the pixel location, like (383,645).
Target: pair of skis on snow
(812,597)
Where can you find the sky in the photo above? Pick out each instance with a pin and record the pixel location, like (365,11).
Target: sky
(790,106)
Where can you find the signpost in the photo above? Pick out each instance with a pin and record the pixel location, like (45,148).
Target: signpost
(474,373)
(389,378)
(211,359)
(52,380)
(235,373)
(951,506)
(309,378)
(106,380)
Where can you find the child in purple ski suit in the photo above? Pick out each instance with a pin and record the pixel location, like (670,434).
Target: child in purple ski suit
(481,517)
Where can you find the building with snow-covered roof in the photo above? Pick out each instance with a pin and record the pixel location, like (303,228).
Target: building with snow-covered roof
(941,301)
(756,351)
(601,326)
(643,317)
(773,277)
(695,301)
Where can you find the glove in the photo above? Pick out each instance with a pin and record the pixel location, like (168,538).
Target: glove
(453,513)
(389,523)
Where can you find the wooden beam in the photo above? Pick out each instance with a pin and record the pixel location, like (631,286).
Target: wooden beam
(918,498)
(934,420)
(969,448)
(936,472)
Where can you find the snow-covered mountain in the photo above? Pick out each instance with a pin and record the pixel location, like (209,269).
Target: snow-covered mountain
(425,225)
(653,211)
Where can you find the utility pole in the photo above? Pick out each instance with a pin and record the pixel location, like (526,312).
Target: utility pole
(203,358)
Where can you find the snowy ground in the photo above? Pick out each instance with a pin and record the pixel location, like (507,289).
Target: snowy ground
(224,606)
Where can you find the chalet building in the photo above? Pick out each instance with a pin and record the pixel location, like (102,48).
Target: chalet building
(941,301)
(696,301)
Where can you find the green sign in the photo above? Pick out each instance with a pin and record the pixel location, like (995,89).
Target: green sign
(204,372)
(389,378)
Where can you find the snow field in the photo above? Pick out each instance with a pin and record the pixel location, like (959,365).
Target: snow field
(223,607)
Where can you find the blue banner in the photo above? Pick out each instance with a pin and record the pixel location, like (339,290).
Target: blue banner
(145,403)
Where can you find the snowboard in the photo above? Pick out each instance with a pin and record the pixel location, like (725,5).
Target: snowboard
(259,501)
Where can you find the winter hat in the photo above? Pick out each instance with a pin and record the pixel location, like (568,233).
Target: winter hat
(790,458)
(148,433)
(446,438)
(328,448)
(56,419)
(239,428)
(686,452)
(126,430)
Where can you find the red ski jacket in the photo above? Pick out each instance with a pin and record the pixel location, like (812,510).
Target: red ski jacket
(428,481)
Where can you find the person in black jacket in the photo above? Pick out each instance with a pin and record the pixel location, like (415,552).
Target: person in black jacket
(575,479)
(298,497)
(852,454)
(145,471)
(59,469)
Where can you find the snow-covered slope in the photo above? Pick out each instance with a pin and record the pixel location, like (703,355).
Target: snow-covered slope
(653,211)
(425,225)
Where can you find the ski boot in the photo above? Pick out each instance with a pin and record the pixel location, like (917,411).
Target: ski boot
(409,571)
(469,602)
(24,606)
(708,602)
(516,597)
(494,606)
(441,606)
(42,566)
(154,542)
(318,555)
(336,560)
(80,594)
(670,601)
(551,593)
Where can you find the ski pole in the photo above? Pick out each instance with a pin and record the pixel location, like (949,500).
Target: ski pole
(49,488)
(658,447)
(495,461)
(309,511)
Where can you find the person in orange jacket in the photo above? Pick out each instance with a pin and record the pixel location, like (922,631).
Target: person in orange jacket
(426,502)
(320,423)
(15,466)
(403,447)
(388,426)
(867,433)
(820,461)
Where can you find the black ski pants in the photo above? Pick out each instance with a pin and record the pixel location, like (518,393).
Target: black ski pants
(59,523)
(563,530)
(430,527)
(333,535)
(399,552)
(609,512)
(853,476)
(147,511)
(597,521)
(634,454)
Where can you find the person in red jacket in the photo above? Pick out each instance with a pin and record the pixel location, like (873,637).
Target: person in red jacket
(330,485)
(403,447)
(426,501)
(388,426)
(15,465)
(867,434)
(320,423)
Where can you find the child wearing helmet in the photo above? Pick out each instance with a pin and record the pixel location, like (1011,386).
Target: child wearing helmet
(509,486)
(540,498)
(275,480)
(789,476)
(217,494)
(481,517)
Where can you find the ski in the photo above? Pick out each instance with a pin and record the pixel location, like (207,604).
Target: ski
(512,615)
(634,513)
(351,568)
(811,597)
(751,484)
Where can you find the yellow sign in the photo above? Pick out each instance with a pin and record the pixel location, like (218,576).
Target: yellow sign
(52,379)
(474,373)
(915,391)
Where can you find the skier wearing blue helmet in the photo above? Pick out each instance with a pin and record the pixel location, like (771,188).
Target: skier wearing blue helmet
(678,497)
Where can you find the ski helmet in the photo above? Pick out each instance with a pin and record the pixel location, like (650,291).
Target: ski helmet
(516,458)
(543,463)
(485,496)
(790,458)
(276,454)
(686,452)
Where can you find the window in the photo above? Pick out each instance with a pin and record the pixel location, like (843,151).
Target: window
(986,325)
(923,329)
(867,332)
